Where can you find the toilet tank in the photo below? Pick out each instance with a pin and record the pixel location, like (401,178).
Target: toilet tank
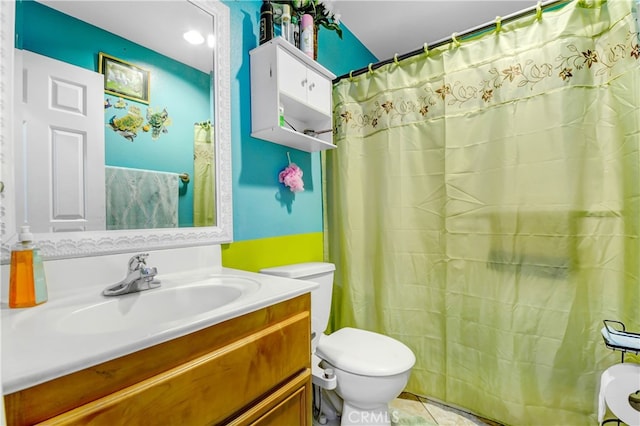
(318,272)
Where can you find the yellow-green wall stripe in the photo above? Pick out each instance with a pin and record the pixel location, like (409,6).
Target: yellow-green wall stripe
(253,255)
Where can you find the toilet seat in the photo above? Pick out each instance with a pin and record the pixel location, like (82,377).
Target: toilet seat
(365,353)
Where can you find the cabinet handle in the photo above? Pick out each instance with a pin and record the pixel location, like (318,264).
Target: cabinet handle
(303,82)
(311,86)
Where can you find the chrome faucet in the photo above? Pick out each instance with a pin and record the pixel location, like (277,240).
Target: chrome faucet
(139,277)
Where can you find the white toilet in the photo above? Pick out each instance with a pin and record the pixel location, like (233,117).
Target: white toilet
(370,369)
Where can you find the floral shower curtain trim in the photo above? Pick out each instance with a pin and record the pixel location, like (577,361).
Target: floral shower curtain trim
(576,60)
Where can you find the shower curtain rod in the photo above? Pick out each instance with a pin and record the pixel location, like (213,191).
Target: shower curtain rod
(447,40)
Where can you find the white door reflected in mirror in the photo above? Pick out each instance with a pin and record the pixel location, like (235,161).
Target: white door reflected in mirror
(62,146)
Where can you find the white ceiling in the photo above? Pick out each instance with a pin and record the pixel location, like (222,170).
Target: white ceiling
(154,24)
(387,27)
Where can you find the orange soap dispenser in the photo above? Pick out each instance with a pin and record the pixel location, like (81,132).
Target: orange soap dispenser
(27,282)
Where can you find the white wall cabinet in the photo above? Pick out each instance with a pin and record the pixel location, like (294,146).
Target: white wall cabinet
(283,76)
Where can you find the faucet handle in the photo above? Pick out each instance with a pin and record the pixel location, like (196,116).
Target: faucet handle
(138,261)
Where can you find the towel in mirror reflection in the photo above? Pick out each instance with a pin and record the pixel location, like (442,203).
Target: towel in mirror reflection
(141,199)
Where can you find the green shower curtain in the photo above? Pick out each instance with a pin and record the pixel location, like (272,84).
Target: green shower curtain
(482,206)
(204,185)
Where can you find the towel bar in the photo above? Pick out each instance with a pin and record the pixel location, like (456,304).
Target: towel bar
(184,177)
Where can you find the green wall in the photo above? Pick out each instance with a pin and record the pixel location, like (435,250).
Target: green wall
(253,255)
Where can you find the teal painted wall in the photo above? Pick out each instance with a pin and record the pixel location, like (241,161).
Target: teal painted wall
(262,207)
(182,90)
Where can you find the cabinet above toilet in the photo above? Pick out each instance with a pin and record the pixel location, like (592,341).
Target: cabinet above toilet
(290,97)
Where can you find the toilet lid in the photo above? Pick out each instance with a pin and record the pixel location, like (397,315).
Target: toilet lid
(365,353)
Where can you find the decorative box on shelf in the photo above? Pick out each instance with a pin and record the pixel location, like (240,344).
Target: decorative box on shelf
(290,97)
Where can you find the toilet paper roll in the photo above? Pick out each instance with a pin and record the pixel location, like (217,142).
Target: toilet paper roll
(626,380)
(605,379)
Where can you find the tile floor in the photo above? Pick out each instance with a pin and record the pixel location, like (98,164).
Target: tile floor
(415,410)
(412,410)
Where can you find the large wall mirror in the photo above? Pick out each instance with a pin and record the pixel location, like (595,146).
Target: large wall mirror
(115,125)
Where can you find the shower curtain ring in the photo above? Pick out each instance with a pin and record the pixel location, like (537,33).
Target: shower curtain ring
(351,75)
(395,59)
(455,39)
(498,24)
(426,48)
(370,69)
(539,11)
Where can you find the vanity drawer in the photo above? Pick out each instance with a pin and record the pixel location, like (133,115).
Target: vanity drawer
(208,389)
(202,378)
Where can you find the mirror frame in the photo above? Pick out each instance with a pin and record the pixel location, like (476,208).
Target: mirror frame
(94,243)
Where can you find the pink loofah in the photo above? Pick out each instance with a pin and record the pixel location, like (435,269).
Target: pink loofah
(291,176)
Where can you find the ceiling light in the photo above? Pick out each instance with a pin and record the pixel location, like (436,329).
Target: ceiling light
(193,37)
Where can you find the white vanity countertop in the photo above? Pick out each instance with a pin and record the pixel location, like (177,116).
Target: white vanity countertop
(37,347)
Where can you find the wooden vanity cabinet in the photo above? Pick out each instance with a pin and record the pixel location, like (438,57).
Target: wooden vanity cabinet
(250,370)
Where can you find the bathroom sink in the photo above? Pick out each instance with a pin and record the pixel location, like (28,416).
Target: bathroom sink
(156,307)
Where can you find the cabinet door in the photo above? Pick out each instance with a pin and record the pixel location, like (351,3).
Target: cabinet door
(318,92)
(288,405)
(292,77)
(291,411)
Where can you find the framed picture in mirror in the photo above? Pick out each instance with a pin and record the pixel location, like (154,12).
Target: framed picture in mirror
(124,79)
